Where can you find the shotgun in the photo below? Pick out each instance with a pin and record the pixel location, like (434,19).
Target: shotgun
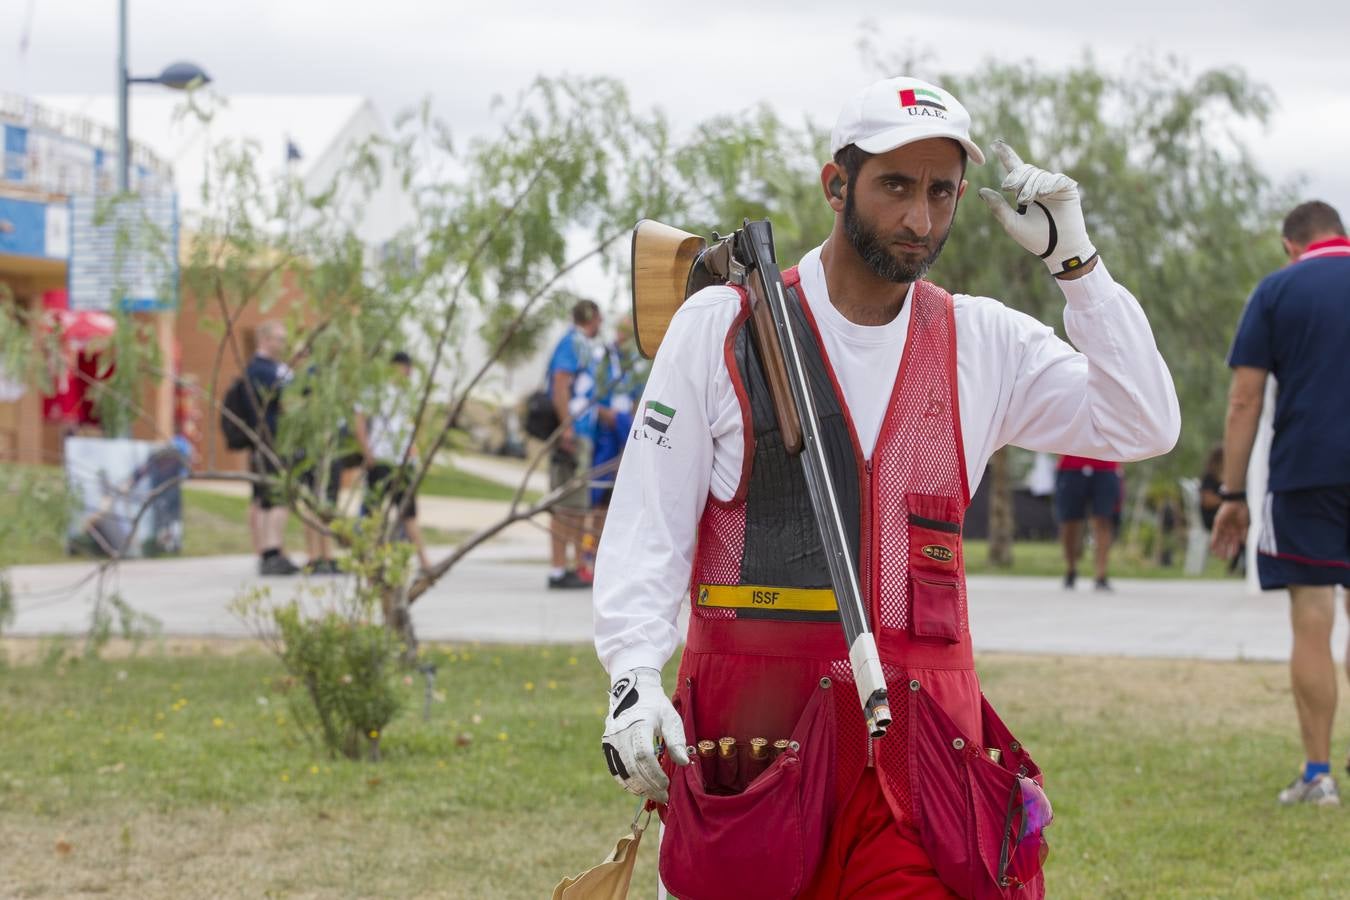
(747,258)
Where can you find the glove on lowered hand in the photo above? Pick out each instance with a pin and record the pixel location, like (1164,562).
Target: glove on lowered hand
(639,713)
(1048,219)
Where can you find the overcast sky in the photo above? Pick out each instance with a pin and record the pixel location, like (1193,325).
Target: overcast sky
(692,60)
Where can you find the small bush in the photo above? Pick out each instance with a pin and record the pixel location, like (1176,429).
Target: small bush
(347,670)
(342,663)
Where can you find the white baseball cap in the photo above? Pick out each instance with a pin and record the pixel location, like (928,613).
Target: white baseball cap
(899,111)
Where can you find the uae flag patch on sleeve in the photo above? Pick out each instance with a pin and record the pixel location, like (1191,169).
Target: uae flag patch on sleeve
(658,415)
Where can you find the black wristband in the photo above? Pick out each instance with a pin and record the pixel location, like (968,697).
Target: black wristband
(1234,496)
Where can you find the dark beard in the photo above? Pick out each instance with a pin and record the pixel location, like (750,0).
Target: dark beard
(883,263)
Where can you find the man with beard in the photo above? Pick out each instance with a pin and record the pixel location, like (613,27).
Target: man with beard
(916,389)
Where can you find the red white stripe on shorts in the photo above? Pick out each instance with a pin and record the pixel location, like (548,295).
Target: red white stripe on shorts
(1266,544)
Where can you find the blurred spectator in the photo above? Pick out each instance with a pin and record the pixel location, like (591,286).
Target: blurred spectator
(1084,486)
(572,385)
(268,376)
(620,376)
(385,434)
(323,480)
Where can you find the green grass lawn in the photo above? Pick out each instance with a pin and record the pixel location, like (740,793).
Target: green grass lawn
(170,776)
(1047,558)
(448,481)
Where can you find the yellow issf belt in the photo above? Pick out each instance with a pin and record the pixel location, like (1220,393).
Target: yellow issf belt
(770,599)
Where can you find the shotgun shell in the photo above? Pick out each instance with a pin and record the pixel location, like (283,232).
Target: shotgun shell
(994,754)
(779,746)
(759,759)
(707,748)
(728,777)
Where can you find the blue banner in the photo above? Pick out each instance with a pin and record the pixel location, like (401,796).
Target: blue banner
(23,227)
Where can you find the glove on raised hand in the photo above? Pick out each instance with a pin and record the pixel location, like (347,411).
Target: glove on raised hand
(1048,219)
(639,713)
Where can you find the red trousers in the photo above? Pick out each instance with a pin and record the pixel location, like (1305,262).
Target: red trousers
(869,855)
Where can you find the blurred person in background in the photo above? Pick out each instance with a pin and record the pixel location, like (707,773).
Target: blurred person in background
(571,382)
(268,376)
(323,480)
(620,376)
(384,431)
(1086,487)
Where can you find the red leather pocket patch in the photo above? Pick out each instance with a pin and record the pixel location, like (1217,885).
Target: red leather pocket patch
(934,611)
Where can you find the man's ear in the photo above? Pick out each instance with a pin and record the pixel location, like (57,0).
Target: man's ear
(1290,250)
(961,189)
(832,180)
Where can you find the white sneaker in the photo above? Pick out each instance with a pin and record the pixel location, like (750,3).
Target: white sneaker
(1321,791)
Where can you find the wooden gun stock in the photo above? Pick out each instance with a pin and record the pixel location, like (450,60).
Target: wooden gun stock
(667,266)
(775,370)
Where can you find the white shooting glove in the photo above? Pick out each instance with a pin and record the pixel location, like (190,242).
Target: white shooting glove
(639,713)
(1048,219)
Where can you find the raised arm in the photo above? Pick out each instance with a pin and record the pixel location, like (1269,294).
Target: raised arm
(1110,398)
(1110,394)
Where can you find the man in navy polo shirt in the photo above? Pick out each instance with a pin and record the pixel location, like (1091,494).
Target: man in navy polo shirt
(1297,327)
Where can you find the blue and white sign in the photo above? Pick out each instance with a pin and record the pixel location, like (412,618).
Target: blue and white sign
(124,253)
(33,228)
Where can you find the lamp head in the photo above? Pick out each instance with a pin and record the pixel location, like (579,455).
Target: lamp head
(182,75)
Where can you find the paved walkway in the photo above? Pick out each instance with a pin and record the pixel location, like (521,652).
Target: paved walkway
(498,594)
(501,469)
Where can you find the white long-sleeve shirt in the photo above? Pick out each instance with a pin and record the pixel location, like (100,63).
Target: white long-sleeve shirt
(1018,383)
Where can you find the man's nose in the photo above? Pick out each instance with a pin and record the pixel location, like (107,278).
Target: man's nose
(917,217)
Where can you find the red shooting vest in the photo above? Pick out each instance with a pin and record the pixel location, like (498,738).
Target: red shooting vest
(751,670)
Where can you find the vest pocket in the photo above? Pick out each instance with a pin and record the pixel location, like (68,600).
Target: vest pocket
(934,567)
(934,606)
(963,794)
(764,840)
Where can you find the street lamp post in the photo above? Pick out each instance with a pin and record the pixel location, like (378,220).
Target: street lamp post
(179,76)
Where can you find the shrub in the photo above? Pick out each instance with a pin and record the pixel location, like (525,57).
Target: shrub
(341,661)
(347,671)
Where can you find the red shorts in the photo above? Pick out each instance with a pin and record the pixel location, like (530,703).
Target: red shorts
(870,855)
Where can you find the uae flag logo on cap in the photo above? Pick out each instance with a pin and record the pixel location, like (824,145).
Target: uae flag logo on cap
(921,97)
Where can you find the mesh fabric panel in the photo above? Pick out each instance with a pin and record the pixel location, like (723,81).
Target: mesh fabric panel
(918,451)
(721,544)
(851,745)
(893,750)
